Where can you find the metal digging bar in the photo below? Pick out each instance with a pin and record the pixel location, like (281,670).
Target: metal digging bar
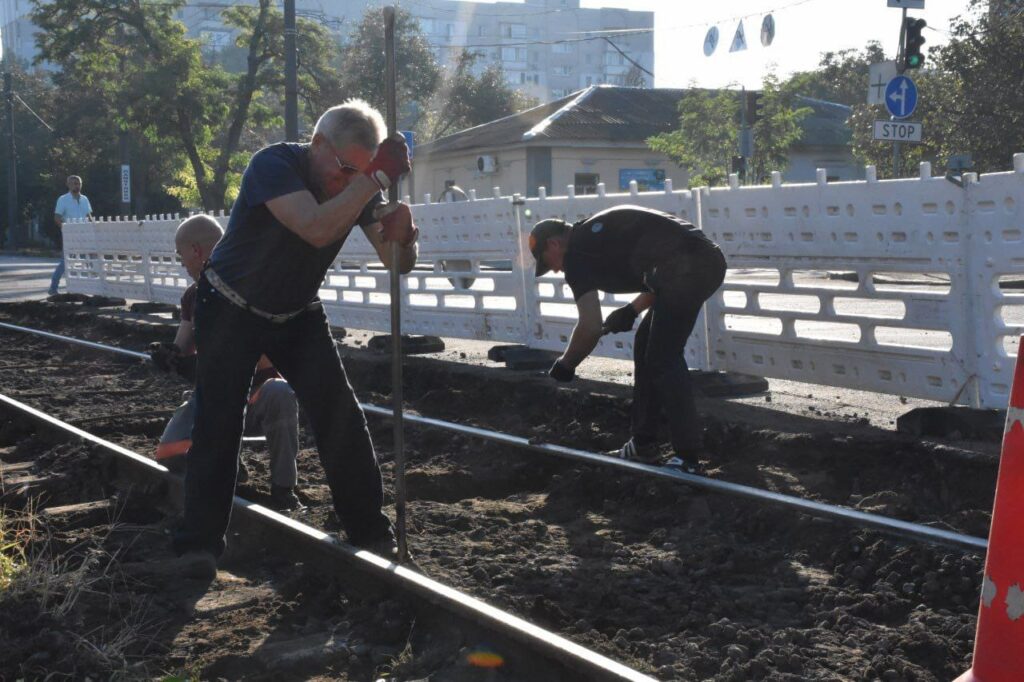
(570,660)
(915,531)
(397,400)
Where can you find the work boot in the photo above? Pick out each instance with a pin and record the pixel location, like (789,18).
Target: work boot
(283,498)
(633,451)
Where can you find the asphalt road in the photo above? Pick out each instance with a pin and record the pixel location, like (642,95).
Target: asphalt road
(24,278)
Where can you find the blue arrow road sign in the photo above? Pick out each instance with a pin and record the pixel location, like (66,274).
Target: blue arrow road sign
(901,97)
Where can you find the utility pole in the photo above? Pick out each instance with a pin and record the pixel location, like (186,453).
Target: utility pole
(746,139)
(126,166)
(12,165)
(291,89)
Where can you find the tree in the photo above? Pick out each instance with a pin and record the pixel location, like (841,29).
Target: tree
(464,100)
(979,106)
(709,132)
(137,55)
(418,73)
(34,144)
(841,77)
(707,136)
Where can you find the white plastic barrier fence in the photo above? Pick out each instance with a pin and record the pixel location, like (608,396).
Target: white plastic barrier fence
(912,287)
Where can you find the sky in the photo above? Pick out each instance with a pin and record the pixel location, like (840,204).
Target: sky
(803,30)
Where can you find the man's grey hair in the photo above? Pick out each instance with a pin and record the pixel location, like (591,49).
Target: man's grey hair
(73,177)
(352,122)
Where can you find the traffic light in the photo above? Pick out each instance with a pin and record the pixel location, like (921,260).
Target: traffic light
(753,107)
(913,40)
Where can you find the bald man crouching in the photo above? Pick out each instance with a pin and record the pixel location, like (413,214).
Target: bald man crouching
(271,409)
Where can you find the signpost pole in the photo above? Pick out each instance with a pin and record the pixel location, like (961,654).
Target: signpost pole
(899,71)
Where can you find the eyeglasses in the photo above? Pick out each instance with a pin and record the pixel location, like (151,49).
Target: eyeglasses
(345,168)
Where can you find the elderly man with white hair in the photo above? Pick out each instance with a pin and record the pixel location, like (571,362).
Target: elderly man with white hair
(257,295)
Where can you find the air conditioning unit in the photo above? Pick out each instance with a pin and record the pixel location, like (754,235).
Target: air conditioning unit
(486,163)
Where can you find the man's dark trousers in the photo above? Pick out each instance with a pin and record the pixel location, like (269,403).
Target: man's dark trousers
(681,284)
(230,341)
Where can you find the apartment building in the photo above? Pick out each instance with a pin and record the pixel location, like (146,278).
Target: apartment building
(547,48)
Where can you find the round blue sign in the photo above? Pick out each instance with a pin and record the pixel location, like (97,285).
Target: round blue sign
(901,97)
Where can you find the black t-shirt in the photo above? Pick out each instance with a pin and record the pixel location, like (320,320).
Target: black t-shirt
(270,266)
(188,302)
(613,249)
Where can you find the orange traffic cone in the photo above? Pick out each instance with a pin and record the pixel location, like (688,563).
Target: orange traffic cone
(999,641)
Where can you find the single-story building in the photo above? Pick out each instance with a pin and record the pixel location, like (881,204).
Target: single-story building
(598,135)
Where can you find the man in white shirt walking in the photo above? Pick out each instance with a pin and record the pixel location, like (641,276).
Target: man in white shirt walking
(71,206)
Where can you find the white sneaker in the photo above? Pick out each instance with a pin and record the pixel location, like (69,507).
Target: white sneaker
(635,452)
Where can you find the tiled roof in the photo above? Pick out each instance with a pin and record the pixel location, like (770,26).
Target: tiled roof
(605,113)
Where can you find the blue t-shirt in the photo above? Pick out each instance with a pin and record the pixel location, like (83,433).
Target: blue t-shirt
(265,262)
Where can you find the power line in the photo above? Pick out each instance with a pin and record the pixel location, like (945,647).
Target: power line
(628,58)
(479,6)
(31,111)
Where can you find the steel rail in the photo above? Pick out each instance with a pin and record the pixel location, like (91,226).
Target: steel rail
(906,529)
(571,658)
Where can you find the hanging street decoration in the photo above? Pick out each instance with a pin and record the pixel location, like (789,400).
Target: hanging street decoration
(739,41)
(711,41)
(767,30)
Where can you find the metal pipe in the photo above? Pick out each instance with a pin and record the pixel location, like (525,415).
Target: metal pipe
(397,399)
(72,340)
(570,660)
(905,529)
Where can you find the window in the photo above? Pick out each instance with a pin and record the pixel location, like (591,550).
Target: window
(616,80)
(586,183)
(513,54)
(562,48)
(482,31)
(563,70)
(614,59)
(513,30)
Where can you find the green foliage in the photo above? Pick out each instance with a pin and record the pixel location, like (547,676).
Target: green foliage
(12,550)
(707,137)
(979,108)
(709,133)
(136,55)
(418,73)
(841,77)
(464,100)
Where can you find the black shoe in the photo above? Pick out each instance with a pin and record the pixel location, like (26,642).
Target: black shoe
(386,547)
(283,498)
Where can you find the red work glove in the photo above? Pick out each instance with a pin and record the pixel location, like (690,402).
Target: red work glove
(390,162)
(396,224)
